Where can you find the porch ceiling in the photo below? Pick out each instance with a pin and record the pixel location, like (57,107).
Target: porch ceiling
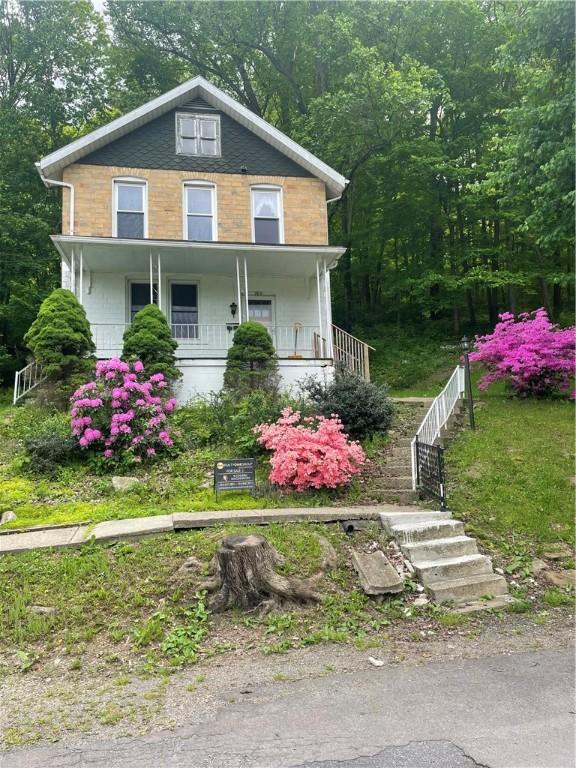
(110,254)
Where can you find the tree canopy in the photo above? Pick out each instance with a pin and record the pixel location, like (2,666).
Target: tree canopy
(453,121)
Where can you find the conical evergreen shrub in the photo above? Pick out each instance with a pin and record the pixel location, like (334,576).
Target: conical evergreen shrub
(148,338)
(251,362)
(60,337)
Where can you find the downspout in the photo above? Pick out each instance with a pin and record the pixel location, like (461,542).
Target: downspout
(56,183)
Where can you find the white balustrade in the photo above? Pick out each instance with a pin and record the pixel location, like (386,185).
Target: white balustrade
(26,379)
(438,414)
(351,354)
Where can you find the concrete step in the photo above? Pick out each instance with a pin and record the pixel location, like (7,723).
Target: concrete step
(410,518)
(438,529)
(396,496)
(453,546)
(402,482)
(431,571)
(464,590)
(397,470)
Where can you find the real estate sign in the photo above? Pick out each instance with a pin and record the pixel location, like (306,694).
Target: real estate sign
(235,475)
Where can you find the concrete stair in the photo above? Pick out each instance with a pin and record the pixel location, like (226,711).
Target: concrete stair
(446,561)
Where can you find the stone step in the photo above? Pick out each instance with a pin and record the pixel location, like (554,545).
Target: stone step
(464,590)
(410,518)
(396,496)
(401,469)
(431,571)
(401,482)
(453,546)
(427,531)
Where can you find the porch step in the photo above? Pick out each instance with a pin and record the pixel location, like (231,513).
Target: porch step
(470,588)
(390,519)
(451,547)
(443,568)
(427,531)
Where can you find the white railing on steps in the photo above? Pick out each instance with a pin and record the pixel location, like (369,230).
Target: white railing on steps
(26,379)
(438,414)
(351,354)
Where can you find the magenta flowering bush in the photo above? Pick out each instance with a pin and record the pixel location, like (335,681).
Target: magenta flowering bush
(534,356)
(122,415)
(313,452)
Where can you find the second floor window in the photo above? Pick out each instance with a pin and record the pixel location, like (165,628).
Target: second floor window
(199,204)
(266,214)
(129,209)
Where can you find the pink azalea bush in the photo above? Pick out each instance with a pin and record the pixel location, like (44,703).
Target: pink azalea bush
(534,356)
(123,413)
(313,452)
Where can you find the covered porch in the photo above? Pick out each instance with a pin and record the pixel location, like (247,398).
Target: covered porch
(205,290)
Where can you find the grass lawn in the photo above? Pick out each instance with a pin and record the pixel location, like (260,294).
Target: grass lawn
(513,479)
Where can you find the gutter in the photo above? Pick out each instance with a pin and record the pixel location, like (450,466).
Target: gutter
(55,183)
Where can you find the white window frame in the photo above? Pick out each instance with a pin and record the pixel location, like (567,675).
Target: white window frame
(134,181)
(199,117)
(183,281)
(204,185)
(145,280)
(268,188)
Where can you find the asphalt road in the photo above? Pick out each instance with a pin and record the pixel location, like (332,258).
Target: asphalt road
(512,711)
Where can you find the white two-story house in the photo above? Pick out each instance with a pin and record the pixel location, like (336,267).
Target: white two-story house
(194,203)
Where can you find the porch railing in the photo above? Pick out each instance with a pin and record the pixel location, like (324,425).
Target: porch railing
(351,354)
(26,380)
(205,340)
(438,414)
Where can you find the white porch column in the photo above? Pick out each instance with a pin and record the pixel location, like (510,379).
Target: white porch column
(239,289)
(319,296)
(246,289)
(159,272)
(73,271)
(327,299)
(151,280)
(81,275)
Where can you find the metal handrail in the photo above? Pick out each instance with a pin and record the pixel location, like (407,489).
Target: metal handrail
(438,414)
(26,379)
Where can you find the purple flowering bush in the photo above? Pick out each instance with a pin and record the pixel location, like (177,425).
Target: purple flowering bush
(533,356)
(122,415)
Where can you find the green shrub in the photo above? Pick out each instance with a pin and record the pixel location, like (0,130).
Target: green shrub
(221,418)
(50,445)
(61,340)
(148,338)
(365,409)
(252,362)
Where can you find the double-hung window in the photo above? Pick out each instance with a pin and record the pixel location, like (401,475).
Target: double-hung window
(199,212)
(198,135)
(267,215)
(129,209)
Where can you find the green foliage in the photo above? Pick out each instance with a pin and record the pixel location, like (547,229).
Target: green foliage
(148,338)
(364,408)
(251,362)
(558,597)
(50,445)
(182,644)
(60,337)
(221,418)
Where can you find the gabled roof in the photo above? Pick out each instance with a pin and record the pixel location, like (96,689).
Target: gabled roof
(53,164)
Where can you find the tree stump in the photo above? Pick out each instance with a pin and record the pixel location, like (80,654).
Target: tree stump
(244,576)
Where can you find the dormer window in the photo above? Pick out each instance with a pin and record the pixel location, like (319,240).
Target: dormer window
(198,135)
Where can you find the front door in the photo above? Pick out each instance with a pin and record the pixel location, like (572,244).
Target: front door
(260,310)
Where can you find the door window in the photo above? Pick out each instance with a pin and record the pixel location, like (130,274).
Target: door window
(140,297)
(184,310)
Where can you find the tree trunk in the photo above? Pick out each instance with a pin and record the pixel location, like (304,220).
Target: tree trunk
(244,576)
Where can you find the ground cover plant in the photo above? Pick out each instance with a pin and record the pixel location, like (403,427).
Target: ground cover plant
(529,353)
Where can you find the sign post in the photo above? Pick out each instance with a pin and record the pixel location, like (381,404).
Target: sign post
(234,475)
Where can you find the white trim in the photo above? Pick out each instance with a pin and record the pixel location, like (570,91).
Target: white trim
(134,181)
(264,188)
(314,250)
(186,184)
(239,287)
(246,288)
(53,163)
(200,117)
(318,296)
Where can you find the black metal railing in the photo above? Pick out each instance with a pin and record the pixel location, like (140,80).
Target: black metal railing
(430,475)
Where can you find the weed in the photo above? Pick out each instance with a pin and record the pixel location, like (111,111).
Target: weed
(182,644)
(151,630)
(76,664)
(558,597)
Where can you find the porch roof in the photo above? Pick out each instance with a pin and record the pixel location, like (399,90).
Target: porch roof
(112,254)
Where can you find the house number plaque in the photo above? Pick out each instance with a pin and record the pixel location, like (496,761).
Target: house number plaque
(235,475)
